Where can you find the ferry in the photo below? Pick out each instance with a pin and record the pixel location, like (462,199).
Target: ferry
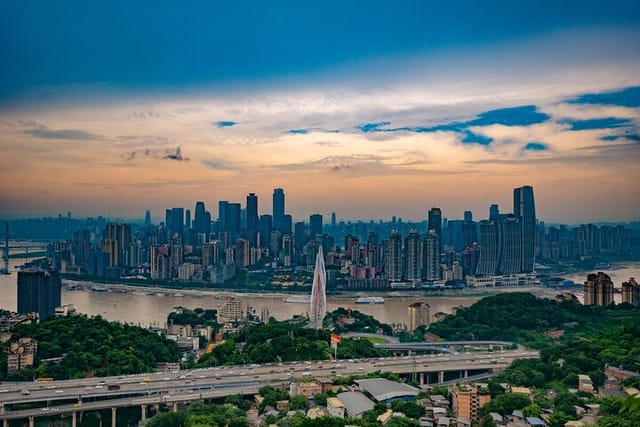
(370,300)
(141,293)
(96,288)
(298,299)
(178,295)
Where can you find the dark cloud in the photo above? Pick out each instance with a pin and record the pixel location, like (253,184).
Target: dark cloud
(217,165)
(536,146)
(474,138)
(524,115)
(225,123)
(38,130)
(161,154)
(601,123)
(627,97)
(298,131)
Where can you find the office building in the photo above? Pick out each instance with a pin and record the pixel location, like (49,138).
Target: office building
(419,314)
(230,311)
(253,220)
(278,208)
(38,292)
(315,225)
(525,210)
(435,224)
(598,290)
(631,292)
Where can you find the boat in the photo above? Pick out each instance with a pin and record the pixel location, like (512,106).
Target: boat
(178,295)
(96,288)
(298,299)
(141,293)
(4,271)
(370,300)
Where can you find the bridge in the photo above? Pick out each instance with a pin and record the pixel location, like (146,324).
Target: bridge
(70,398)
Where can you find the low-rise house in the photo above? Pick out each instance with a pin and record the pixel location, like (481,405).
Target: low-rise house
(585,384)
(335,407)
(535,422)
(355,403)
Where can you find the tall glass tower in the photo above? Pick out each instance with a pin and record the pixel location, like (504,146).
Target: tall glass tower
(318,292)
(278,209)
(524,208)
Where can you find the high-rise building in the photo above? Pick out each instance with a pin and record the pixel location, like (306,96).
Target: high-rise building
(278,209)
(419,314)
(435,224)
(121,233)
(393,257)
(315,225)
(318,292)
(300,236)
(432,256)
(232,217)
(494,212)
(525,210)
(252,217)
(38,292)
(147,218)
(631,292)
(412,264)
(222,215)
(598,290)
(489,249)
(265,228)
(510,239)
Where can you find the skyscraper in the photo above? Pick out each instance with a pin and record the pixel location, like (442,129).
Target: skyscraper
(252,213)
(525,210)
(412,264)
(315,225)
(38,292)
(435,224)
(432,256)
(278,208)
(393,257)
(318,292)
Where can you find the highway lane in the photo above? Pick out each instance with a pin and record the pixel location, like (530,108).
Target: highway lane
(56,393)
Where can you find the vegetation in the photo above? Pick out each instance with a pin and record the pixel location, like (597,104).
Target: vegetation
(342,320)
(284,341)
(199,414)
(82,346)
(198,316)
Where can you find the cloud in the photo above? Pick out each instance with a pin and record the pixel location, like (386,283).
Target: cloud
(474,138)
(154,153)
(602,123)
(536,146)
(217,165)
(225,123)
(627,97)
(38,130)
(374,127)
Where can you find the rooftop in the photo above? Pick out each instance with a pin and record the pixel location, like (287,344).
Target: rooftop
(355,402)
(382,389)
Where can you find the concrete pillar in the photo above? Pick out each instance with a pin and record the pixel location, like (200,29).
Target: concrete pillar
(421,378)
(174,407)
(144,412)
(5,423)
(466,373)
(441,377)
(32,422)
(74,421)
(113,417)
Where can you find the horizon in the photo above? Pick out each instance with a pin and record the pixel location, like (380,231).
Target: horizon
(378,111)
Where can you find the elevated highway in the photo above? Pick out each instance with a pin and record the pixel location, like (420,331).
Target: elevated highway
(71,397)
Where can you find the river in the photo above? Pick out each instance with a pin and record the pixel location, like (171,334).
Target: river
(153,309)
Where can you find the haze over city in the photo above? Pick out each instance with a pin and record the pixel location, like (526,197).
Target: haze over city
(366,111)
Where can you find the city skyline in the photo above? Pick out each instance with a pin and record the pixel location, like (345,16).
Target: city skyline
(377,112)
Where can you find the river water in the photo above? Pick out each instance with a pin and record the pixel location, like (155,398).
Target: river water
(153,309)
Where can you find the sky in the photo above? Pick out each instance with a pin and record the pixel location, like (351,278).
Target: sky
(367,109)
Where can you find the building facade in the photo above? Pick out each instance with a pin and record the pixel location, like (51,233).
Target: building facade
(598,289)
(38,292)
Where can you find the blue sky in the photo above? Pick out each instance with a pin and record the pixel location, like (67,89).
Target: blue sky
(455,103)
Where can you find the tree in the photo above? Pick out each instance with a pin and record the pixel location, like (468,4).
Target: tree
(531,410)
(168,419)
(297,402)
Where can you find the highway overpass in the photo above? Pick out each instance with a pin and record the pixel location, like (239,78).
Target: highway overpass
(71,397)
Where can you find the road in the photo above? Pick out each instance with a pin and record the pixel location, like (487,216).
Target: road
(179,386)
